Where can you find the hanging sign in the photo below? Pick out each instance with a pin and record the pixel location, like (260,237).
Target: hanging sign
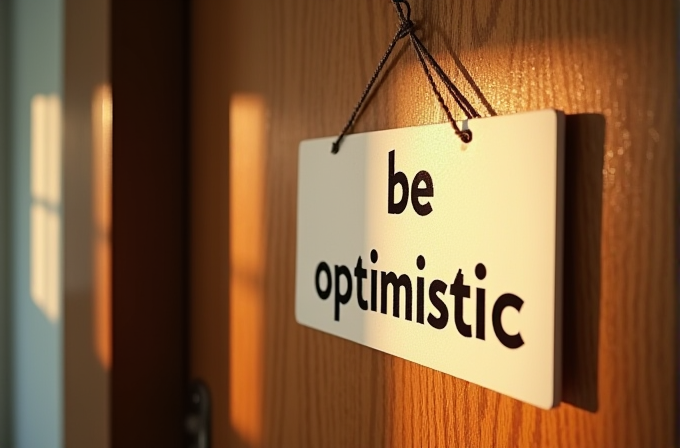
(442,253)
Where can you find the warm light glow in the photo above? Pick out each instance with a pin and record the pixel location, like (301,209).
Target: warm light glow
(101,206)
(247,261)
(46,205)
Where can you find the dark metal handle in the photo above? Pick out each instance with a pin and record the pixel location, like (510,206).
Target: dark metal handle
(197,422)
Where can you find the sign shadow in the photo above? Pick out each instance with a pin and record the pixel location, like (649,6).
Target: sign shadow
(584,156)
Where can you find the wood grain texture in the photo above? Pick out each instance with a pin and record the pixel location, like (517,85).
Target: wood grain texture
(611,64)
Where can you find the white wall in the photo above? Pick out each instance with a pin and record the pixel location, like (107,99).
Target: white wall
(36,299)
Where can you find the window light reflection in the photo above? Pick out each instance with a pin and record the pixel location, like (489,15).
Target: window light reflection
(247,262)
(46,220)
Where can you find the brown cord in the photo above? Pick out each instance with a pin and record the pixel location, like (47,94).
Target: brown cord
(407,28)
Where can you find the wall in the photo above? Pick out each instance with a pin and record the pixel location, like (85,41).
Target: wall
(4,160)
(36,91)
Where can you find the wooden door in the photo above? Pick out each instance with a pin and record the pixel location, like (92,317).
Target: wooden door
(267,74)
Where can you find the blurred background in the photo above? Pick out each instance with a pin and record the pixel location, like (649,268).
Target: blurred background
(55,140)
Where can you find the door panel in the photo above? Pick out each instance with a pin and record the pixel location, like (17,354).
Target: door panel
(267,74)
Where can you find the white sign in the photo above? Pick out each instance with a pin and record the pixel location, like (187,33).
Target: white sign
(444,254)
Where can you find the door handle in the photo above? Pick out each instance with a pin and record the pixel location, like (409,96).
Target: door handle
(197,421)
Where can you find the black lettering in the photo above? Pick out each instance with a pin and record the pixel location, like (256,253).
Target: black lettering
(480,330)
(374,282)
(420,299)
(342,298)
(417,192)
(459,290)
(481,305)
(438,287)
(404,281)
(374,290)
(360,274)
(392,180)
(504,301)
(420,294)
(323,267)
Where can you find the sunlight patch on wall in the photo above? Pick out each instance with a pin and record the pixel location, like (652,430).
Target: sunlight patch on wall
(46,207)
(247,261)
(102,119)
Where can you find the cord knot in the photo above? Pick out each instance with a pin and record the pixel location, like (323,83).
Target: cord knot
(406,28)
(406,24)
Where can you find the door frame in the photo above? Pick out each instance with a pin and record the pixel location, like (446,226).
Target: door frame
(149,57)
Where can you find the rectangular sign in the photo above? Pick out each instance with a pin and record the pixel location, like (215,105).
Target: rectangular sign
(445,254)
